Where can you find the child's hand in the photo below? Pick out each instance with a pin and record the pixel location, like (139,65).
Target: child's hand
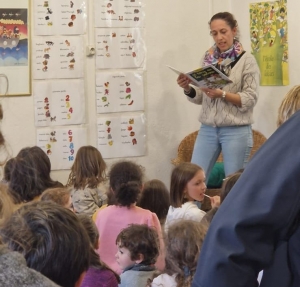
(215,201)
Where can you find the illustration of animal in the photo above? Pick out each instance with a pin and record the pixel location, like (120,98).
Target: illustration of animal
(49,43)
(71,66)
(49,11)
(45,69)
(67,43)
(71,54)
(53,119)
(46,56)
(53,133)
(46,50)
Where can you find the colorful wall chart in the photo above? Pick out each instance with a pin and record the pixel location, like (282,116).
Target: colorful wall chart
(119,91)
(57,57)
(61,144)
(121,13)
(269,43)
(63,17)
(119,48)
(59,102)
(122,136)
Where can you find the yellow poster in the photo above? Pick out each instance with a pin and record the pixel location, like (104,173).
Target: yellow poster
(269,45)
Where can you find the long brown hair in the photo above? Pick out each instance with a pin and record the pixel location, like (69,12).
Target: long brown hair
(183,242)
(88,168)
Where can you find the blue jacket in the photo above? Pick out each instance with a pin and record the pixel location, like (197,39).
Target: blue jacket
(256,215)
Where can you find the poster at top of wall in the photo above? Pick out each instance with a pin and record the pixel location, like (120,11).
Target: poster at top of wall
(57,57)
(122,136)
(120,48)
(61,144)
(63,17)
(121,13)
(269,44)
(119,91)
(59,102)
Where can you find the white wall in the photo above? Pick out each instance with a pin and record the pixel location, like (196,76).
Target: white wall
(177,34)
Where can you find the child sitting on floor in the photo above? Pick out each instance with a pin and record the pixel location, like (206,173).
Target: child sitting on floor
(138,249)
(183,244)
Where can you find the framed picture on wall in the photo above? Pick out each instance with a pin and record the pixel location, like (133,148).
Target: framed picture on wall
(15,54)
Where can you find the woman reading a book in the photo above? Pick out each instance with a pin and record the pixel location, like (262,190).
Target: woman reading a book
(226,115)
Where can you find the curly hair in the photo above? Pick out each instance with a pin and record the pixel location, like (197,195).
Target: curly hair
(184,241)
(126,180)
(140,239)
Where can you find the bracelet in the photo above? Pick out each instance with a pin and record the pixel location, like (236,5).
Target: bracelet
(224,95)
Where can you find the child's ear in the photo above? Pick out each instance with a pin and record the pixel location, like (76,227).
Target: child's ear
(140,259)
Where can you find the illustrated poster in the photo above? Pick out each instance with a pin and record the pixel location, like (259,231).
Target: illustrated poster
(119,91)
(61,144)
(57,57)
(63,17)
(122,136)
(119,48)
(121,13)
(59,102)
(269,41)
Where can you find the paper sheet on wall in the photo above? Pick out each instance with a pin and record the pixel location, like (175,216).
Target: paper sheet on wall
(122,136)
(61,144)
(121,13)
(120,48)
(59,102)
(57,57)
(63,17)
(119,91)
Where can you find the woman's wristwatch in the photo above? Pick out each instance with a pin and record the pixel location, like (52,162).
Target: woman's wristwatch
(223,95)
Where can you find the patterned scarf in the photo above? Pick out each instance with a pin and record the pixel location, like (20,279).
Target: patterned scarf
(214,56)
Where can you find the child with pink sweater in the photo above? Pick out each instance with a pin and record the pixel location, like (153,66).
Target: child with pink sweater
(126,181)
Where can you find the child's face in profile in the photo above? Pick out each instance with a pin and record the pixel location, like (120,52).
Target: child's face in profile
(123,257)
(196,187)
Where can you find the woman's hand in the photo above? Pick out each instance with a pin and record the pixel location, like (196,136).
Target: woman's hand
(183,81)
(212,93)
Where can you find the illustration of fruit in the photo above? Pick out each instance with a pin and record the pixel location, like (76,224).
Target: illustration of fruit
(128,90)
(128,97)
(132,134)
(104,99)
(48,146)
(127,84)
(110,143)
(108,130)
(107,123)
(133,54)
(131,121)
(129,128)
(130,103)
(109,136)
(134,141)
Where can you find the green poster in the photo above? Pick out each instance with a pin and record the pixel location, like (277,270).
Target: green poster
(268,29)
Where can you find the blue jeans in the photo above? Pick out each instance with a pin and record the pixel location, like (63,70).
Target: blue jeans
(235,142)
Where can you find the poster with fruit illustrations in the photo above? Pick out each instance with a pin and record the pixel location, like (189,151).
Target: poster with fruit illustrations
(57,57)
(122,136)
(119,91)
(59,102)
(121,13)
(61,144)
(120,48)
(63,17)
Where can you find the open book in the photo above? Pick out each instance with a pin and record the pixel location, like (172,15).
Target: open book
(206,77)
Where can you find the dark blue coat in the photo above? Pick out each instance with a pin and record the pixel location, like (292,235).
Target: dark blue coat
(256,216)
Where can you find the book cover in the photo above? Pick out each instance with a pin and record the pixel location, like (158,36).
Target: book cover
(206,77)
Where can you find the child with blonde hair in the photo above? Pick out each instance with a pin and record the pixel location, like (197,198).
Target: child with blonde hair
(289,105)
(87,172)
(183,244)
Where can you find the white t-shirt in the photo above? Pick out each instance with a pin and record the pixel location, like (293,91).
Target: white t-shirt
(164,280)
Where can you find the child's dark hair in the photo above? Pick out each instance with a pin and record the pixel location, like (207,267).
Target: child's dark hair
(156,198)
(228,184)
(52,240)
(88,168)
(140,239)
(181,175)
(183,242)
(93,234)
(7,169)
(126,180)
(30,174)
